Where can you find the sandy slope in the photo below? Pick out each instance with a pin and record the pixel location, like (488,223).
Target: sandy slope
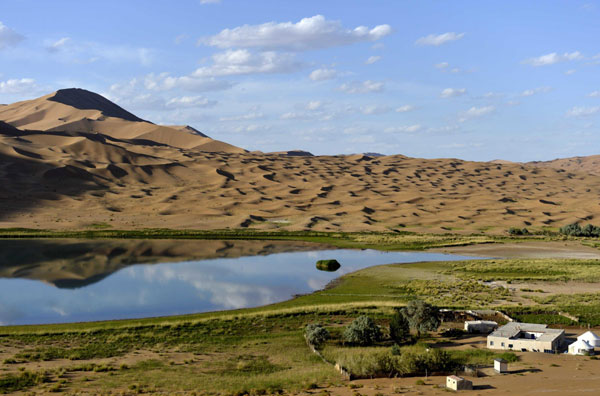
(590,164)
(88,167)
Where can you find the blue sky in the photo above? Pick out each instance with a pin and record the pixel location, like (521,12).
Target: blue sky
(477,80)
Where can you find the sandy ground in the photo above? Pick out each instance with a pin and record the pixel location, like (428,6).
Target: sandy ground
(567,249)
(79,165)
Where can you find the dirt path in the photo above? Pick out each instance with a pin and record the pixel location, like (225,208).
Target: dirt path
(566,249)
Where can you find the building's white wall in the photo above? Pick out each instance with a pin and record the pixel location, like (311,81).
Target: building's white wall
(519,344)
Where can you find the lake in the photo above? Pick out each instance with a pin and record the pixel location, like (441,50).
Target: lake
(57,281)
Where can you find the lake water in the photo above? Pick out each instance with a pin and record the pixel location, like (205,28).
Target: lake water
(73,280)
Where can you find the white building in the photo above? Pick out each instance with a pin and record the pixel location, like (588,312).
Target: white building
(480,326)
(526,337)
(500,366)
(458,383)
(590,338)
(581,347)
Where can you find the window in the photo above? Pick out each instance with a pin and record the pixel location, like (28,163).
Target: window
(510,346)
(491,343)
(502,344)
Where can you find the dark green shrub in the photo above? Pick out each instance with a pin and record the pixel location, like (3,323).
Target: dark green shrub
(399,328)
(576,230)
(362,331)
(518,231)
(315,334)
(328,265)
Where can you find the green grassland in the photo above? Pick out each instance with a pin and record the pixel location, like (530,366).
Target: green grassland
(262,350)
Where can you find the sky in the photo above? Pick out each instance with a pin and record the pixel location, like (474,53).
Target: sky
(477,80)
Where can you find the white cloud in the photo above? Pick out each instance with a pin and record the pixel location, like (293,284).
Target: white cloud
(374,109)
(314,105)
(57,45)
(9,37)
(240,62)
(244,117)
(210,1)
(492,95)
(362,87)
(180,39)
(594,94)
(404,109)
(323,74)
(439,39)
(309,33)
(453,92)
(404,129)
(475,112)
(570,71)
(191,101)
(531,92)
(165,82)
(17,86)
(442,65)
(551,59)
(583,111)
(373,59)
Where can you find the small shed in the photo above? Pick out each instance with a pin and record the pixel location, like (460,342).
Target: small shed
(581,347)
(590,338)
(480,326)
(458,383)
(500,366)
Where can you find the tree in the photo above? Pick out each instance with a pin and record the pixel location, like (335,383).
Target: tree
(421,316)
(399,328)
(316,334)
(362,331)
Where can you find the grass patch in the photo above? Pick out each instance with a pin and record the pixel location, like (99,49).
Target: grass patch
(20,382)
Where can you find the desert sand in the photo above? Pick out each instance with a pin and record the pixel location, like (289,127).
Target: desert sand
(73,159)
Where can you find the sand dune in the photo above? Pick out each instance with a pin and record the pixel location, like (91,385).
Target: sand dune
(78,110)
(590,164)
(134,174)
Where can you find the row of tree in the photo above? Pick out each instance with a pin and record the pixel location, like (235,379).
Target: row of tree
(575,229)
(363,331)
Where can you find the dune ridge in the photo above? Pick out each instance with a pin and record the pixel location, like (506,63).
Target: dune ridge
(95,169)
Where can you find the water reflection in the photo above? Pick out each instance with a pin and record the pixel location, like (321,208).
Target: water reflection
(215,282)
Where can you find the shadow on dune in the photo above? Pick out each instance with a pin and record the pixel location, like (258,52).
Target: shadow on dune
(28,181)
(85,100)
(75,263)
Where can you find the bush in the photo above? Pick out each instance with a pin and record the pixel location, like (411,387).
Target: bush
(315,334)
(518,231)
(399,328)
(362,331)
